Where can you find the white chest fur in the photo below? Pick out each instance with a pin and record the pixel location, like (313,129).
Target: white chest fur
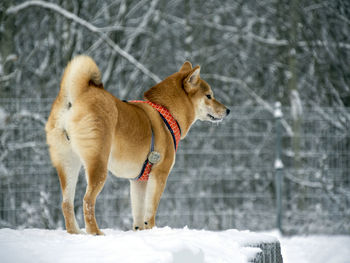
(124,169)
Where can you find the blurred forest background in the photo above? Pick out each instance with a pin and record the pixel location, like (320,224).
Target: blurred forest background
(253,53)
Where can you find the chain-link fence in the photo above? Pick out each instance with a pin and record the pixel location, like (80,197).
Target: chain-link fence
(224,176)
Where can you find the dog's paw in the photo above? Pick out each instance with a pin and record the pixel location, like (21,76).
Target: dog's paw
(137,228)
(149,224)
(76,231)
(96,232)
(99,233)
(146,225)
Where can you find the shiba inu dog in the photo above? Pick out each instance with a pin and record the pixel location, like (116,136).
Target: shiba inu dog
(134,140)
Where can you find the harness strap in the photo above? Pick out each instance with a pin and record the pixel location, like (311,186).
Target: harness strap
(174,129)
(170,122)
(147,166)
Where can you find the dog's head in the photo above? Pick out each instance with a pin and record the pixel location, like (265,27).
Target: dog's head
(207,108)
(185,91)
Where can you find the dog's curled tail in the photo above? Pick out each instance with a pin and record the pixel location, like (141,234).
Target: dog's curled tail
(80,74)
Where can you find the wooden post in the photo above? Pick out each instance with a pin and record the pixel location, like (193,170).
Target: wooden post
(278,166)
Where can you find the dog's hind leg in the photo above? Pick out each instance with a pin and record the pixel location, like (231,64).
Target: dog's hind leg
(137,194)
(69,174)
(67,164)
(92,143)
(91,129)
(96,176)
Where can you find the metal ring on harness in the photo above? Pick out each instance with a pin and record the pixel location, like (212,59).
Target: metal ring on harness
(152,158)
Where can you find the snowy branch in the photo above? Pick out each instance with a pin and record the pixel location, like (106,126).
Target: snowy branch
(90,27)
(143,24)
(146,18)
(22,145)
(268,41)
(302,182)
(284,42)
(27,114)
(320,43)
(122,28)
(249,35)
(7,77)
(327,117)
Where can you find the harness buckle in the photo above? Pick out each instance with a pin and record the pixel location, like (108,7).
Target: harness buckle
(153,157)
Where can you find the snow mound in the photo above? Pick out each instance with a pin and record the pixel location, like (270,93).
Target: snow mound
(156,245)
(314,248)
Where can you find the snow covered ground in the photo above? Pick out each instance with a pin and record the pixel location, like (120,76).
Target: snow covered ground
(314,249)
(163,245)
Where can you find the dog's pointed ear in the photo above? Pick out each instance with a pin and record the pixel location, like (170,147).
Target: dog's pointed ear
(193,76)
(192,79)
(187,66)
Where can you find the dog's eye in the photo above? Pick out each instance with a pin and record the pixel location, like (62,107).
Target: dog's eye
(209,96)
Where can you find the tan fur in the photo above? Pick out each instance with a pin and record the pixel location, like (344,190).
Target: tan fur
(88,126)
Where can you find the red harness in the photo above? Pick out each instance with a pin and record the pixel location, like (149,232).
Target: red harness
(175,131)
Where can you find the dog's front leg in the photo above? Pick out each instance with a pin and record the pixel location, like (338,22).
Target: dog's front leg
(137,195)
(155,188)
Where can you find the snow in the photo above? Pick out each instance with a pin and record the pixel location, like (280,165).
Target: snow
(314,248)
(296,105)
(3,117)
(278,164)
(156,245)
(164,245)
(320,249)
(278,111)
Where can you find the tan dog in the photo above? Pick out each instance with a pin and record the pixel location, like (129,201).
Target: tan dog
(89,126)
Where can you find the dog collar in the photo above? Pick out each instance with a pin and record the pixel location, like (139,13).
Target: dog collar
(174,129)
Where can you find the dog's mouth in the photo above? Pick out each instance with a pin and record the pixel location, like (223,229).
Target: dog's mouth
(213,119)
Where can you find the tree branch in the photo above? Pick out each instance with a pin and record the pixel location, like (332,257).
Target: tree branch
(90,27)
(249,35)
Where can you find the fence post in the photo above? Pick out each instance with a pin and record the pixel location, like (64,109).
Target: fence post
(278,166)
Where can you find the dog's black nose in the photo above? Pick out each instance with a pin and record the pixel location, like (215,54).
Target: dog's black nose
(227,112)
